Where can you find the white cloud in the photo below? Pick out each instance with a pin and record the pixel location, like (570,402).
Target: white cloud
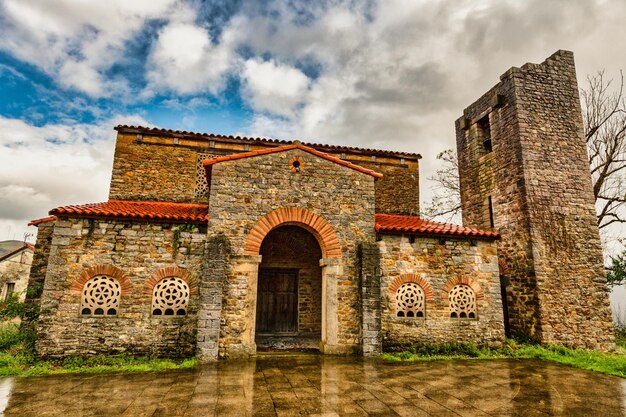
(393,74)
(77,42)
(185,60)
(53,165)
(277,89)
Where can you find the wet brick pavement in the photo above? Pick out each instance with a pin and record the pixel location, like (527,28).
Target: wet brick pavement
(295,385)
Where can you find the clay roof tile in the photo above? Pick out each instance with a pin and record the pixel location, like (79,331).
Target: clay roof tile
(417,225)
(138,210)
(252,140)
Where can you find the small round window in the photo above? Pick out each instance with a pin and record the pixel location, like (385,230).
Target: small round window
(296,164)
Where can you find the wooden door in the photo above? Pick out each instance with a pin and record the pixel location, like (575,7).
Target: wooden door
(277,301)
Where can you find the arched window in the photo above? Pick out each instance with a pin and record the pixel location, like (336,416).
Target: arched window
(462,302)
(100,296)
(170,297)
(410,300)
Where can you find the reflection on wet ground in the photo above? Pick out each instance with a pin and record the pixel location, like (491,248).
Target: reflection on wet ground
(293,385)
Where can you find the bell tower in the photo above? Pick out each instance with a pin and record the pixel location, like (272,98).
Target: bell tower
(524,172)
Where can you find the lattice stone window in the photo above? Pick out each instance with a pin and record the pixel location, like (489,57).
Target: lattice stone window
(462,302)
(100,296)
(170,297)
(410,300)
(202,187)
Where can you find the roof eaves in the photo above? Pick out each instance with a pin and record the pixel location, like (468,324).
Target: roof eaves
(231,138)
(37,222)
(136,210)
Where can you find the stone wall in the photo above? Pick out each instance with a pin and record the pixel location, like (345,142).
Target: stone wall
(165,168)
(139,250)
(244,191)
(437,264)
(39,265)
(151,171)
(397,192)
(538,179)
(370,281)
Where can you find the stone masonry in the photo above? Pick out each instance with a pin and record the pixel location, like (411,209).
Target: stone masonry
(336,233)
(536,179)
(139,250)
(436,263)
(244,191)
(153,165)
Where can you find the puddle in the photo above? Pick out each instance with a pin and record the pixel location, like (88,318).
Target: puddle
(297,384)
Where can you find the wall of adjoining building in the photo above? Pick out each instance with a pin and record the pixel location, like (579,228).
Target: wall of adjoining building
(537,176)
(139,250)
(439,263)
(15,270)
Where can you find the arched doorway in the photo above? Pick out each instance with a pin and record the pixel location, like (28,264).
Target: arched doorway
(289,290)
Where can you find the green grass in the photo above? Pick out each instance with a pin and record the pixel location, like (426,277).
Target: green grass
(17,358)
(607,363)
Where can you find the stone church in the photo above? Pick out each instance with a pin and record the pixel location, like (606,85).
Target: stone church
(220,246)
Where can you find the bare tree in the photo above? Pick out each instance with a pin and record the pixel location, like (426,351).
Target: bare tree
(604,116)
(446,201)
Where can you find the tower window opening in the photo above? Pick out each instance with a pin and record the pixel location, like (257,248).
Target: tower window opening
(490,202)
(485,128)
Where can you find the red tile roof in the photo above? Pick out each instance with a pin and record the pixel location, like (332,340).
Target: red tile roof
(198,213)
(255,140)
(417,225)
(209,162)
(44,220)
(142,210)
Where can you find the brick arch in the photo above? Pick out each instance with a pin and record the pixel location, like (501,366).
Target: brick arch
(466,280)
(320,228)
(109,270)
(403,279)
(504,269)
(171,271)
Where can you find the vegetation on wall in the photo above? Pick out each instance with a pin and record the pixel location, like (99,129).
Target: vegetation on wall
(177,232)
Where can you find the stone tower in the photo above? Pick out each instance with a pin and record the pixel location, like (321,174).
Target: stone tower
(524,172)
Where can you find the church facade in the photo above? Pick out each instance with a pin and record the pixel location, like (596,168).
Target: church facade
(220,246)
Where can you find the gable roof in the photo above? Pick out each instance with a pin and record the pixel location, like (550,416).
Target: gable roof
(24,246)
(417,225)
(142,210)
(7,246)
(209,162)
(155,131)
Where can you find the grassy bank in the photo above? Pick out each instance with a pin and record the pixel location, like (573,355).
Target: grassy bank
(17,358)
(607,363)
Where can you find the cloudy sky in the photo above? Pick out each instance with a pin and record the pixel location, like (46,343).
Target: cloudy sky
(393,74)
